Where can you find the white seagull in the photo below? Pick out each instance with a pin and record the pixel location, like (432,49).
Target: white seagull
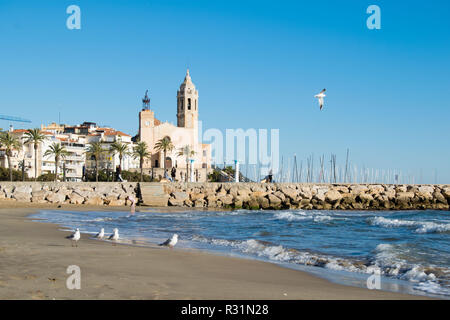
(171,242)
(101,234)
(115,235)
(75,237)
(320,96)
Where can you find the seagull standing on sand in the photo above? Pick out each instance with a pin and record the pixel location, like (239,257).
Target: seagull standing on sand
(115,235)
(75,237)
(171,242)
(101,234)
(320,96)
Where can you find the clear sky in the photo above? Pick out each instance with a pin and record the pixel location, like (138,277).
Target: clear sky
(256,64)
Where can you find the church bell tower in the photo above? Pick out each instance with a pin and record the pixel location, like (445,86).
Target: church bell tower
(187,104)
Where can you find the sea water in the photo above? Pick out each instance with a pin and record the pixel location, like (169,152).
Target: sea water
(410,249)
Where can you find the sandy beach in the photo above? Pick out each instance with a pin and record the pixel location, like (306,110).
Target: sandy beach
(34,257)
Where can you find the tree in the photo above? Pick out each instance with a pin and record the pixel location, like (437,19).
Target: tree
(187,152)
(164,145)
(57,151)
(35,137)
(141,151)
(95,149)
(10,143)
(121,149)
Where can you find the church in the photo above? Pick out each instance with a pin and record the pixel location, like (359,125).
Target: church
(185,133)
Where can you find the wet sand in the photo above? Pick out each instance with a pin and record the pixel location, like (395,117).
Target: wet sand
(34,257)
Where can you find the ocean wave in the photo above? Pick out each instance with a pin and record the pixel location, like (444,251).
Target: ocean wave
(421,226)
(302,216)
(291,216)
(386,262)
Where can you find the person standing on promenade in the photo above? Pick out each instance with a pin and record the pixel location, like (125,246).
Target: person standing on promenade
(119,174)
(166,175)
(270,176)
(173,173)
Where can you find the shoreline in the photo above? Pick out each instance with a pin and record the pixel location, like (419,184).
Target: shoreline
(34,257)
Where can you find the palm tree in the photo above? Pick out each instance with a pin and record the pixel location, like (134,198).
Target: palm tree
(35,137)
(58,152)
(187,152)
(164,145)
(141,151)
(121,149)
(10,143)
(96,150)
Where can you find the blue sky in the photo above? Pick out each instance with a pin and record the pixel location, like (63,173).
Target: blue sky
(256,64)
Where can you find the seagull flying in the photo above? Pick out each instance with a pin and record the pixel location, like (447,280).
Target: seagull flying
(115,235)
(101,234)
(171,242)
(320,96)
(75,237)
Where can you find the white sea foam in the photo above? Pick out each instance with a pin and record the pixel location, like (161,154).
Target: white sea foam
(291,216)
(421,226)
(302,215)
(386,261)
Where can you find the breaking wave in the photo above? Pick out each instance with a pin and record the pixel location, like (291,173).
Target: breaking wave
(386,262)
(421,226)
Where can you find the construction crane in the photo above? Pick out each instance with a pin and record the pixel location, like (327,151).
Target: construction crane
(11,118)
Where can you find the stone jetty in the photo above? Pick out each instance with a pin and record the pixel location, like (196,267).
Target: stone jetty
(234,195)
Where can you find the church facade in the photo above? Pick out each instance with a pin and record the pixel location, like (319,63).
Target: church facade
(184,134)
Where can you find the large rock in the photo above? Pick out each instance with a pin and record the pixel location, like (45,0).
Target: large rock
(199,203)
(439,197)
(365,197)
(56,197)
(428,189)
(274,201)
(22,196)
(175,202)
(358,189)
(23,189)
(94,201)
(375,188)
(305,193)
(424,196)
(75,198)
(333,196)
(446,193)
(226,200)
(39,196)
(197,196)
(180,196)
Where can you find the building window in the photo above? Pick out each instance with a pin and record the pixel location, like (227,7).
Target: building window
(189,103)
(204,153)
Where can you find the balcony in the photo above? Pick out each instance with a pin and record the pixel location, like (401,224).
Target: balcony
(74,158)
